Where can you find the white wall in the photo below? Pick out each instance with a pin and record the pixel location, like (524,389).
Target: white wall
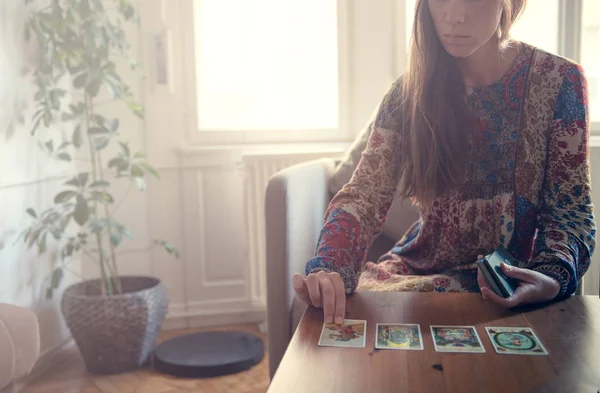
(27,179)
(199,201)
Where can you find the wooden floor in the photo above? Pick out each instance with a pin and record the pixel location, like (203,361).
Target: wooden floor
(69,376)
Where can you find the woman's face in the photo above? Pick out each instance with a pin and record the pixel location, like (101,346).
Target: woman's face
(464,26)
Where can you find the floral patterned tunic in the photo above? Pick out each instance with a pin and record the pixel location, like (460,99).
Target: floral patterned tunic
(527,188)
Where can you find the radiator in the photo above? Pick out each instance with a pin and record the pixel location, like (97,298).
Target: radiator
(257,169)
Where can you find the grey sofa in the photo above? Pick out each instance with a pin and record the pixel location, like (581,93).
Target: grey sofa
(296,201)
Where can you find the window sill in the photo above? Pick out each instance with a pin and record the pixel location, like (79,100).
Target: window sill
(274,148)
(595,139)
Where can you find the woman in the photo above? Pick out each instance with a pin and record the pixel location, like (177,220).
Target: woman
(489,137)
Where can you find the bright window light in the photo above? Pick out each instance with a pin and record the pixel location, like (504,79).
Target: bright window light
(590,54)
(267,64)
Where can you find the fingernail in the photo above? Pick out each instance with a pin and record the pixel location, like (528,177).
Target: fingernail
(329,319)
(339,320)
(505,266)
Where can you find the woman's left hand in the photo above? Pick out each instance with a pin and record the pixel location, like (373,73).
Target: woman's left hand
(534,287)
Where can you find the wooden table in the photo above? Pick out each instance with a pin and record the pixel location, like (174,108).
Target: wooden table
(570,331)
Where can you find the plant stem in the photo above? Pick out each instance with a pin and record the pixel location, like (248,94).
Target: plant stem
(107,214)
(108,287)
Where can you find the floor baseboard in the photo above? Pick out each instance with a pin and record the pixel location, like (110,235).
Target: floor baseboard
(226,318)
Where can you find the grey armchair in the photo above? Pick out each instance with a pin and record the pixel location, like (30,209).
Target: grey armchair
(296,201)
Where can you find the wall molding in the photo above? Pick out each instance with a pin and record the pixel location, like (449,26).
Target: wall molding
(179,319)
(30,182)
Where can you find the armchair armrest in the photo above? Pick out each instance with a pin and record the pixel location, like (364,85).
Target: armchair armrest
(296,200)
(19,343)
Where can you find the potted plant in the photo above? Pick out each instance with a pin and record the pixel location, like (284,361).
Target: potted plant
(114,320)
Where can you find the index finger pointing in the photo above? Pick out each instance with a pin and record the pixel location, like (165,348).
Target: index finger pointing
(340,298)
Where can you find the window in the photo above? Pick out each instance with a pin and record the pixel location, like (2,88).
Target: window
(590,54)
(272,65)
(528,29)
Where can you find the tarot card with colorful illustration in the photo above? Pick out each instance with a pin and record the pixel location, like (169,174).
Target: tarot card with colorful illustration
(398,336)
(350,334)
(456,339)
(515,341)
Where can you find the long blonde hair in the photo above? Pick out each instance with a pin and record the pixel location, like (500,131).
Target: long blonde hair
(435,119)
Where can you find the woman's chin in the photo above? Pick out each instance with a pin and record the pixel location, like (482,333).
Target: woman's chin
(459,51)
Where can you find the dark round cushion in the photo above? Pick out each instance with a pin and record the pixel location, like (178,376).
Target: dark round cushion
(208,354)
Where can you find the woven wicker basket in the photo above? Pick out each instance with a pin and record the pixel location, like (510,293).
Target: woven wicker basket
(115,333)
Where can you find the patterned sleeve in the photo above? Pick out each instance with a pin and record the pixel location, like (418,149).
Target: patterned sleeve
(566,226)
(356,214)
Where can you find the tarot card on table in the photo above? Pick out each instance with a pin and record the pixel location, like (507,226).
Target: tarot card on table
(398,336)
(350,334)
(515,341)
(456,339)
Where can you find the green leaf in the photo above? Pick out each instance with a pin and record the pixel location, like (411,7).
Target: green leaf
(80,81)
(81,213)
(73,182)
(140,183)
(136,108)
(97,130)
(148,168)
(100,120)
(96,228)
(36,125)
(77,141)
(127,232)
(169,248)
(172,250)
(112,124)
(115,88)
(56,234)
(57,276)
(47,119)
(64,196)
(32,238)
(64,157)
(42,244)
(31,212)
(83,178)
(64,221)
(136,171)
(125,148)
(49,145)
(102,197)
(115,238)
(100,143)
(49,293)
(68,251)
(93,88)
(119,163)
(99,184)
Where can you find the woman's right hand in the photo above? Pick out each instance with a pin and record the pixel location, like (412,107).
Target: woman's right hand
(325,290)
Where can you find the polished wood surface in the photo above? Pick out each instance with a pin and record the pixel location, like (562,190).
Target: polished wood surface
(69,376)
(570,331)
